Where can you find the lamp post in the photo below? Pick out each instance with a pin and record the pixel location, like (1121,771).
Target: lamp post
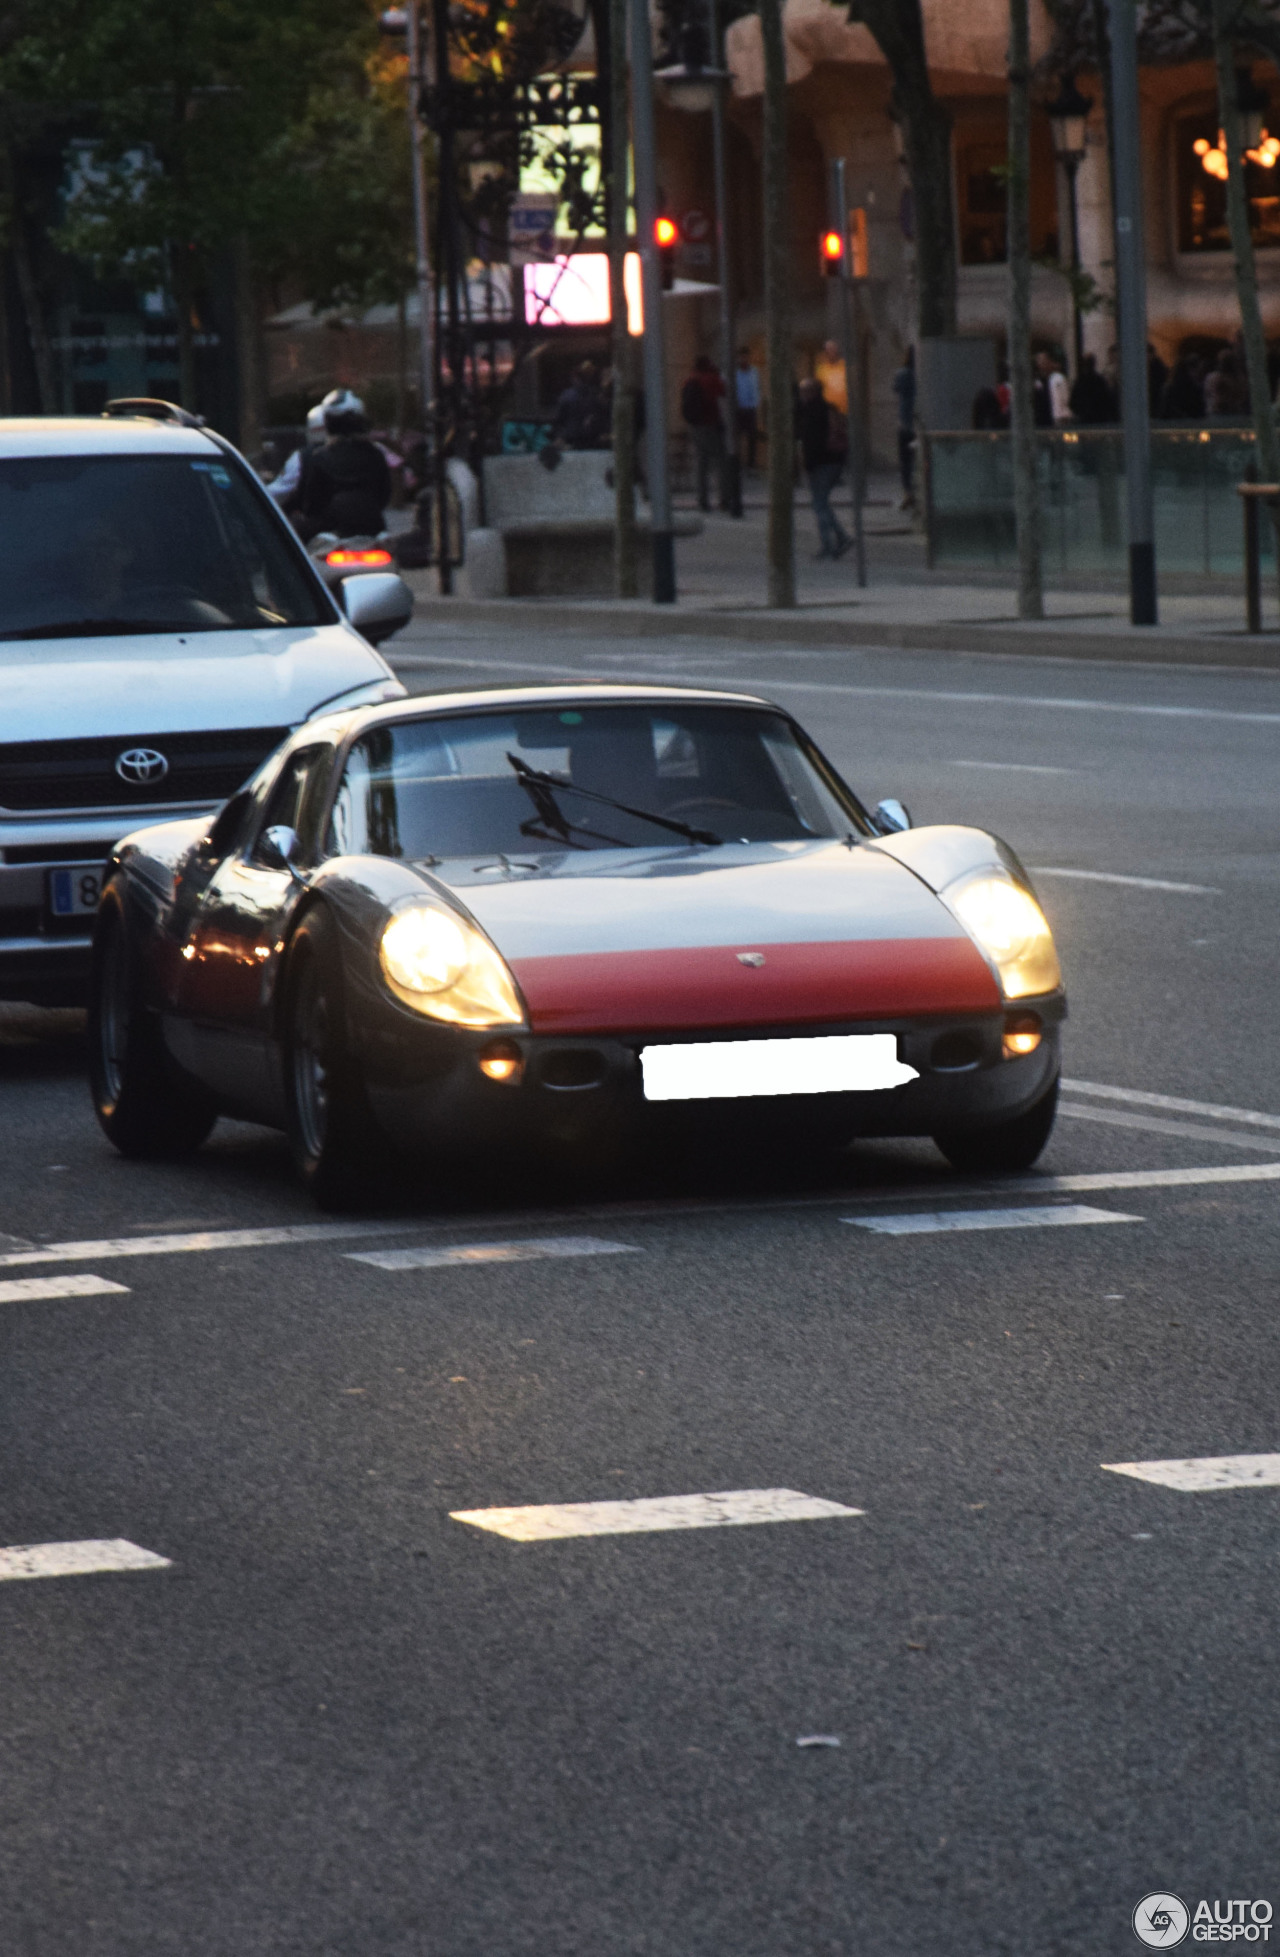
(1068,116)
(643,146)
(695,86)
(1131,305)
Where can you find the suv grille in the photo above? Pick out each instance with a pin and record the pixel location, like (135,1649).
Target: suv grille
(82,774)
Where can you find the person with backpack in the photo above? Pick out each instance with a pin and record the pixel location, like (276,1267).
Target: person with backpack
(343,485)
(700,400)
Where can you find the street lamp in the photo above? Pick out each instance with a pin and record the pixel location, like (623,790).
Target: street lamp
(692,84)
(1253,102)
(1068,118)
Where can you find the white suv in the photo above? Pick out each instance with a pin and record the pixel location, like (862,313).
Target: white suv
(161,631)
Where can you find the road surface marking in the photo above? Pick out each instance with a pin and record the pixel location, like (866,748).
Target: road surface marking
(733,1510)
(1137,883)
(74,1285)
(190,1240)
(1172,1102)
(427,1258)
(75,1559)
(926,1222)
(751,684)
(1016,767)
(1198,1477)
(1191,1131)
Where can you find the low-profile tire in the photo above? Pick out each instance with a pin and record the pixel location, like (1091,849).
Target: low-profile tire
(1007,1147)
(339,1150)
(143,1106)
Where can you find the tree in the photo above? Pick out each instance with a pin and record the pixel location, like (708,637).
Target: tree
(1026,489)
(897,27)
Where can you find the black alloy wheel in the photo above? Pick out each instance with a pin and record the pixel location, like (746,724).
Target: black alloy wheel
(144,1107)
(1008,1146)
(337,1146)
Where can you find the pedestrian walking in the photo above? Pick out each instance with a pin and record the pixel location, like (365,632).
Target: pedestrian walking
(822,451)
(700,408)
(904,386)
(746,394)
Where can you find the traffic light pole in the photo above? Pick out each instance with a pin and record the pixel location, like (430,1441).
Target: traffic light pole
(655,377)
(728,365)
(850,350)
(1131,305)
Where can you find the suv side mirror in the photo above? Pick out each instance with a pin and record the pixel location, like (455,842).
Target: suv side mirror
(377,603)
(277,848)
(890,816)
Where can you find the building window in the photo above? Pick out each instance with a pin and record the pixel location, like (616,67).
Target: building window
(982,160)
(1202,196)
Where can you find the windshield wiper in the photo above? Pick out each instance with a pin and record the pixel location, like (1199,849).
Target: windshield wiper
(95,628)
(542,790)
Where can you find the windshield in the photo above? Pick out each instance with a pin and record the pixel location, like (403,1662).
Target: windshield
(454,787)
(101,544)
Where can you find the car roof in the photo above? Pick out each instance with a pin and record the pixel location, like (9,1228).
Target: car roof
(569,693)
(27,435)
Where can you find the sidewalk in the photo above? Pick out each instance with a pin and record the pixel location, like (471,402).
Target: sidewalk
(721,594)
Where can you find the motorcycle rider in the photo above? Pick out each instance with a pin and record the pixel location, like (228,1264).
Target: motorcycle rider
(343,485)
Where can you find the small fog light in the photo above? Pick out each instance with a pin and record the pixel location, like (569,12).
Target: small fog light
(501,1060)
(1022,1035)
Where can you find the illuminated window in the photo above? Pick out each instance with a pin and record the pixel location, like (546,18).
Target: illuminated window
(1202,193)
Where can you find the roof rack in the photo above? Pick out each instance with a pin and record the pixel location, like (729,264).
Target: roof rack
(139,408)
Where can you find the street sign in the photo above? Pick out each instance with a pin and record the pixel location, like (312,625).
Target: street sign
(695,227)
(531,228)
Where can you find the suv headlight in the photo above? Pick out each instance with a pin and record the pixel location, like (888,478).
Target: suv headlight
(438,963)
(1005,922)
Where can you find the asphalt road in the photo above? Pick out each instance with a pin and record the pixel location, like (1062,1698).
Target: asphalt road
(337,1720)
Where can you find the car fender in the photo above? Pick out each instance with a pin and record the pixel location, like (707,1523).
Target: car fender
(943,851)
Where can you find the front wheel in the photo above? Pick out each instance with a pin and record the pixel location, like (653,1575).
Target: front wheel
(143,1108)
(1007,1147)
(340,1153)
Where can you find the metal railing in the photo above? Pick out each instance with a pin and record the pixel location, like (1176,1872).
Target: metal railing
(969,501)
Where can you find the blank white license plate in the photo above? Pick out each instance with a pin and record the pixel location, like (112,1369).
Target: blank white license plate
(724,1070)
(74,893)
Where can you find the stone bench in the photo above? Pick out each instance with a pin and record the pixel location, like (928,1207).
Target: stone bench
(549,532)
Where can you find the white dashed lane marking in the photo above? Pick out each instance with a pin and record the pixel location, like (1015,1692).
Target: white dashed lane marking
(84,1249)
(736,1509)
(98,1558)
(15,1291)
(431,1257)
(1171,1103)
(1202,1476)
(924,1223)
(1135,883)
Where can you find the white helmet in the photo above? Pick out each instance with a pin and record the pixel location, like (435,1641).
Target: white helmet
(342,411)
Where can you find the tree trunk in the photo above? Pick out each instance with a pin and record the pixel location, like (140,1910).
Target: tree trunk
(249,352)
(625,582)
(1026,491)
(1255,344)
(897,27)
(184,303)
(33,314)
(778,222)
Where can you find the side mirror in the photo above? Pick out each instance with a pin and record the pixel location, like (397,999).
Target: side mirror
(890,816)
(277,848)
(377,603)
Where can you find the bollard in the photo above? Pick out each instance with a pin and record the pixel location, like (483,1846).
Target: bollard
(1251,493)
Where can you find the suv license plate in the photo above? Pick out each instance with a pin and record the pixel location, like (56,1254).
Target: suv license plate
(74,893)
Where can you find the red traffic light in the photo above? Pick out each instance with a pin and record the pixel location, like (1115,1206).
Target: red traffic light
(831,251)
(665,232)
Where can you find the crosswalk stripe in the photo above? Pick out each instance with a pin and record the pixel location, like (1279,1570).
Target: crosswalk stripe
(734,1509)
(926,1222)
(94,1558)
(14,1291)
(429,1257)
(1153,1124)
(1201,1476)
(1173,1103)
(82,1249)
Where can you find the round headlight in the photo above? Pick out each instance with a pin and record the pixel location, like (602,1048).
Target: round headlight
(1002,917)
(424,949)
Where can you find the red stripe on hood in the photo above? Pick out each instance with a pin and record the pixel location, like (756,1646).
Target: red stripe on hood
(800,984)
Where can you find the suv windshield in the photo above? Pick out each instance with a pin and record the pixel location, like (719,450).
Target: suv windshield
(451,787)
(100,544)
